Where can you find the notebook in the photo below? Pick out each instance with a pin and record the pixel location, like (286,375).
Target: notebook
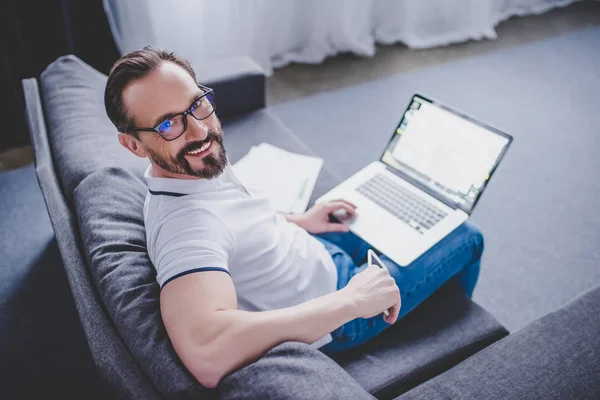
(287,179)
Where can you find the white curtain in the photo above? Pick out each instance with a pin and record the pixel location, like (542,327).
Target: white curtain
(276,32)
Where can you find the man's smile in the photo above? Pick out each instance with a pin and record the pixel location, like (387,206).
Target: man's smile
(204,150)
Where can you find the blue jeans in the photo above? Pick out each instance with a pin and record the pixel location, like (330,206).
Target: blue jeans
(456,256)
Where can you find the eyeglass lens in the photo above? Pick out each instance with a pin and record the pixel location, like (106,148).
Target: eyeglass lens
(175,126)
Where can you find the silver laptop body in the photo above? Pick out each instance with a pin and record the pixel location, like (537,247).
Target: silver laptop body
(427,182)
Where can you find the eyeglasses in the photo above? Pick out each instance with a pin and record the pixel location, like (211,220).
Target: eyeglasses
(173,127)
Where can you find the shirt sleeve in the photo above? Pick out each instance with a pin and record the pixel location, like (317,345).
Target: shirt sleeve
(190,241)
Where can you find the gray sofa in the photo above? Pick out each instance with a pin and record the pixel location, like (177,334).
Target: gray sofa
(94,193)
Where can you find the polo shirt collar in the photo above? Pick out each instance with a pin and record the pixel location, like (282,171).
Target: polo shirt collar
(181,187)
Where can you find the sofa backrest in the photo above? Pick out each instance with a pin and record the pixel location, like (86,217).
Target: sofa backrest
(110,354)
(81,137)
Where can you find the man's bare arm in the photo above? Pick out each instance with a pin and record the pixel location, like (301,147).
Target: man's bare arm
(213,338)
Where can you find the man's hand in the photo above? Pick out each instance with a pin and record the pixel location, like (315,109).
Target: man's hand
(316,220)
(372,291)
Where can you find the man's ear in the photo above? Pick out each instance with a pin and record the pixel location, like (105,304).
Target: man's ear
(132,144)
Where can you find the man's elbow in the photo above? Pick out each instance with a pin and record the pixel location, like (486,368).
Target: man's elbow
(210,380)
(207,371)
(210,367)
(208,363)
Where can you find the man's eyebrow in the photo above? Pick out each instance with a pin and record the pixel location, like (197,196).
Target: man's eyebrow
(168,115)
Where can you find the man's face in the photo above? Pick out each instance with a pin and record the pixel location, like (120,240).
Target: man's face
(166,91)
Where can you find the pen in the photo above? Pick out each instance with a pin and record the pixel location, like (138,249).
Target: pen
(370,256)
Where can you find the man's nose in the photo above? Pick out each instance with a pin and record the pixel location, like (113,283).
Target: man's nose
(196,130)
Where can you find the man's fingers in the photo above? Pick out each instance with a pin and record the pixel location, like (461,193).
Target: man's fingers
(378,270)
(394,311)
(346,202)
(333,206)
(335,227)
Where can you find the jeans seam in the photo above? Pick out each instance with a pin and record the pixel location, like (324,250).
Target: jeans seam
(438,268)
(425,279)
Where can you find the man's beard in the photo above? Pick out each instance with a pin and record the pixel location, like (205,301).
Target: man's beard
(213,166)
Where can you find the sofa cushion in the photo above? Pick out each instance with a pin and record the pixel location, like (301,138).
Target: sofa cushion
(81,136)
(292,371)
(556,357)
(239,80)
(440,333)
(109,205)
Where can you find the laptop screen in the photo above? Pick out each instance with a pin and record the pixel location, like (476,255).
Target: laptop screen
(444,152)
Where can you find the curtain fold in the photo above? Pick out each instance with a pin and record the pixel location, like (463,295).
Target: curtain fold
(277,32)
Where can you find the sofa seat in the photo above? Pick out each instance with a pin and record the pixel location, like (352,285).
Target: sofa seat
(440,333)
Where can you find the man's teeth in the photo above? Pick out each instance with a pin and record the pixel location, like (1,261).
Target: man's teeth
(201,149)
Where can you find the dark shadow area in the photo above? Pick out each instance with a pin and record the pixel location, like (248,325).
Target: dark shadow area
(42,347)
(43,351)
(35,33)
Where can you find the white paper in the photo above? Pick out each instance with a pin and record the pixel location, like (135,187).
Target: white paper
(286,179)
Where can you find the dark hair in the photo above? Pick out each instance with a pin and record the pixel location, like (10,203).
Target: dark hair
(132,66)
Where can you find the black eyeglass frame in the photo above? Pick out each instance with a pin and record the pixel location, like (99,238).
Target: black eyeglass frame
(184,114)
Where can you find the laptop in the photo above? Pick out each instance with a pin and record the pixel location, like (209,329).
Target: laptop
(427,182)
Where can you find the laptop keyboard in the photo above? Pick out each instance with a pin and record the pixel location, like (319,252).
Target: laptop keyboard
(402,203)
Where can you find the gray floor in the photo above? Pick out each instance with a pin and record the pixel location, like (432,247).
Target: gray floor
(539,213)
(299,80)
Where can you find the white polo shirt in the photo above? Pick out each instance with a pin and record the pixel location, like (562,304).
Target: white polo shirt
(201,225)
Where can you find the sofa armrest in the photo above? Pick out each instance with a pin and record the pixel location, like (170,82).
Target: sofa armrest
(239,84)
(555,357)
(113,359)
